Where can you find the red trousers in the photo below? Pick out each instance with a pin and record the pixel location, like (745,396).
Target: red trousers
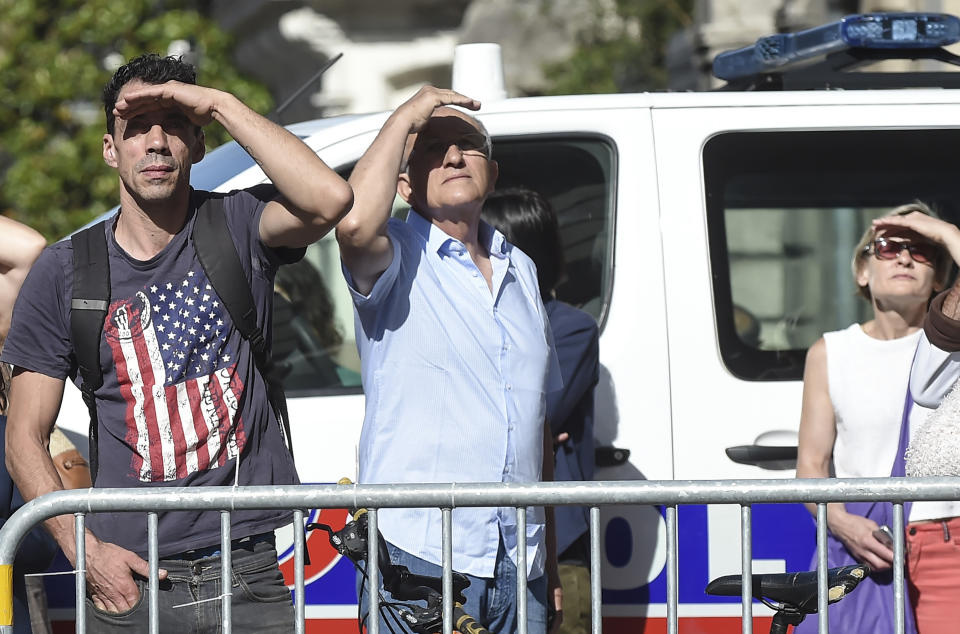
(933,563)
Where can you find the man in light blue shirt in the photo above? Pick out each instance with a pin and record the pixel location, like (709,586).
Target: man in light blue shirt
(456,352)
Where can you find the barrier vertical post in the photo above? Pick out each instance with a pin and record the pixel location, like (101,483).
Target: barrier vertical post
(6,596)
(596,594)
(746,564)
(447,581)
(153,583)
(521,570)
(298,590)
(80,585)
(373,572)
(672,577)
(823,615)
(226,573)
(898,609)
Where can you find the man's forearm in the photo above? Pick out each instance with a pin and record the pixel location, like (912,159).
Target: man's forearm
(303,179)
(362,234)
(31,467)
(374,183)
(34,403)
(19,247)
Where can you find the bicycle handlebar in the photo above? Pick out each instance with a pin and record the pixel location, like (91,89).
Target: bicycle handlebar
(403,585)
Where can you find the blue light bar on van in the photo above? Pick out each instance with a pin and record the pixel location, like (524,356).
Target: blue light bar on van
(869,30)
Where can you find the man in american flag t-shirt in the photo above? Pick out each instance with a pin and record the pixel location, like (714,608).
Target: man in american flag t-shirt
(182,401)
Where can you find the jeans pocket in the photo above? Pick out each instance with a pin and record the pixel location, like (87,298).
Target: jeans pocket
(263,583)
(120,617)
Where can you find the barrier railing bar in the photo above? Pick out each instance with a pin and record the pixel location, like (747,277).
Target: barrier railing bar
(153,581)
(685,492)
(898,609)
(672,581)
(746,568)
(80,584)
(596,594)
(299,626)
(226,573)
(475,494)
(373,571)
(823,616)
(447,581)
(522,570)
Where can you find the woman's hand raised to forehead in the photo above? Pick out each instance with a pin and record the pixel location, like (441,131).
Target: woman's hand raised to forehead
(419,108)
(938,231)
(931,228)
(198,103)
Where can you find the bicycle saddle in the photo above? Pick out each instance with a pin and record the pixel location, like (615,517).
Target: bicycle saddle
(797,589)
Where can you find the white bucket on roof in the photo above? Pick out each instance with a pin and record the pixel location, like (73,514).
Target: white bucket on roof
(478,71)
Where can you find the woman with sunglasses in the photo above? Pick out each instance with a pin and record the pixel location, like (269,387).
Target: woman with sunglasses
(856,402)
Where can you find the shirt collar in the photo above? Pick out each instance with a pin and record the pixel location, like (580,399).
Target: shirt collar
(439,241)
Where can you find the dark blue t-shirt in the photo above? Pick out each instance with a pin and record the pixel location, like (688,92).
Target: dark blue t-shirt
(182,399)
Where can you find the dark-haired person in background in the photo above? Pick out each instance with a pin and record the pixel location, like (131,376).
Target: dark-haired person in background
(183,402)
(307,345)
(528,221)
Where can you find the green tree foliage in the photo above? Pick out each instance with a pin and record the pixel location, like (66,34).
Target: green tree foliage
(624,50)
(55,58)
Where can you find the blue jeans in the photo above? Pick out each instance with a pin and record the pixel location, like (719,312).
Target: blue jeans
(261,602)
(492,602)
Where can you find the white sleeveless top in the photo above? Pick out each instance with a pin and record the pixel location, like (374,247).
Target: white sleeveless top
(867,379)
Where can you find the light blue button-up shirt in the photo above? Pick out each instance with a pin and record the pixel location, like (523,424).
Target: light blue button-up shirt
(455,378)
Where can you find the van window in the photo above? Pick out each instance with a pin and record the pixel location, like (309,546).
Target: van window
(314,341)
(784,213)
(577,175)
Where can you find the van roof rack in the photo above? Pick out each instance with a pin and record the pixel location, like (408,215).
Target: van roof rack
(826,57)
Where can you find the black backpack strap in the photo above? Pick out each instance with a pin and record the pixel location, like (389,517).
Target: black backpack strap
(88,311)
(221,263)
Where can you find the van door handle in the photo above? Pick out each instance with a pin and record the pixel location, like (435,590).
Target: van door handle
(772,457)
(610,456)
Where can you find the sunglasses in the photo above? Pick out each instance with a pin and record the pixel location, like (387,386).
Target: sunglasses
(884,249)
(471,143)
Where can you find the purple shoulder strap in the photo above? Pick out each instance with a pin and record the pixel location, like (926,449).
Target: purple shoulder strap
(899,464)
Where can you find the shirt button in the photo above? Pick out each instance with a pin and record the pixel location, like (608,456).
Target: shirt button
(509,387)
(506,346)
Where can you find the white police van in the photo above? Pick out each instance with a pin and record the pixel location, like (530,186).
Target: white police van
(710,234)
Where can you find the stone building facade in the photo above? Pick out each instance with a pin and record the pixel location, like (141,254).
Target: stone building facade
(391,48)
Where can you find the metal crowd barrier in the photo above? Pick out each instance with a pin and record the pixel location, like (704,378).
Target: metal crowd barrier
(667,493)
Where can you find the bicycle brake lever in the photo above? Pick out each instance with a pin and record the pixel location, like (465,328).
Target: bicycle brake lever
(350,541)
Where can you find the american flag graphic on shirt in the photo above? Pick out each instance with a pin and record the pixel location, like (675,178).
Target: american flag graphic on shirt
(177,377)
